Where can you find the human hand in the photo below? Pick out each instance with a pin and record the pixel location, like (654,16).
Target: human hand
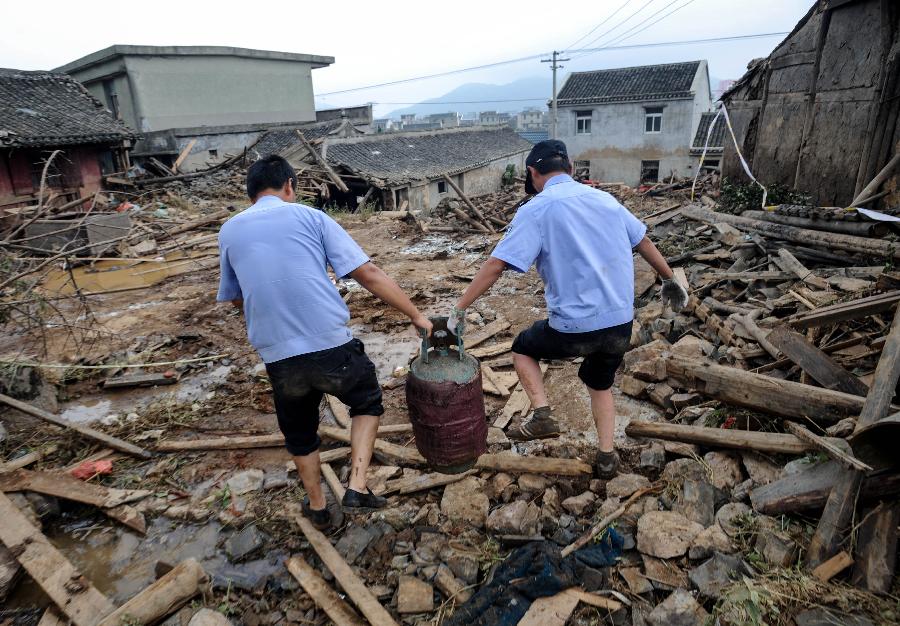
(422,324)
(456,321)
(673,295)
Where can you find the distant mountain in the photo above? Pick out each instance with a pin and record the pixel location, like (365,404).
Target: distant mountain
(474,97)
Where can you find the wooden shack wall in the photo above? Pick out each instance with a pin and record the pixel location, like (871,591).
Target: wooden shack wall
(813,113)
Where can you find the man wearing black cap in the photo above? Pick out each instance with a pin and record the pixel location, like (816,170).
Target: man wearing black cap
(581,240)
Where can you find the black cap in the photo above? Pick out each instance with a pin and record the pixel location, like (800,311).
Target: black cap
(546,149)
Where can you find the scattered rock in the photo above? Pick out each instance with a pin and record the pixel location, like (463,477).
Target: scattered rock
(678,448)
(679,609)
(354,541)
(464,567)
(776,548)
(717,574)
(632,386)
(188,512)
(637,584)
(653,457)
(730,515)
(496,436)
(501,481)
(681,469)
(208,617)
(661,394)
(697,502)
(245,482)
(708,542)
(550,505)
(277,480)
(665,534)
(665,575)
(693,347)
(516,518)
(824,617)
(532,482)
(741,491)
(760,469)
(414,596)
(726,470)
(623,485)
(243,544)
(577,505)
(466,502)
(447,584)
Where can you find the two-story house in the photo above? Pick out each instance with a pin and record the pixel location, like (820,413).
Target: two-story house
(634,124)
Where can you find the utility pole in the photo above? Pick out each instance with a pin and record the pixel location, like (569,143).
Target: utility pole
(554,65)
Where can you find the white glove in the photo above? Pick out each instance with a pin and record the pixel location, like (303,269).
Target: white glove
(456,321)
(673,295)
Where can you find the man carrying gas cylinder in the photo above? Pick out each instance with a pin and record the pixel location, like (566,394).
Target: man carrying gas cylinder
(581,240)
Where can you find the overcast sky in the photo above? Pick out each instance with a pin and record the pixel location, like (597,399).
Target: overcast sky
(386,41)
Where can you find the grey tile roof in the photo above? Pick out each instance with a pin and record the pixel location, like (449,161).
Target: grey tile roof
(399,158)
(46,109)
(716,140)
(647,82)
(284,139)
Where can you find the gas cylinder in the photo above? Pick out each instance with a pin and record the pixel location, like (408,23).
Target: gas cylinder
(446,402)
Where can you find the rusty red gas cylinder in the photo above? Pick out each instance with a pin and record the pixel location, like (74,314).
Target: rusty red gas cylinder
(446,402)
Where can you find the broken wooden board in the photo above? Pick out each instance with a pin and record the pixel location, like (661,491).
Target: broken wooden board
(113,502)
(84,431)
(27,459)
(875,562)
(352,585)
(838,449)
(833,566)
(162,598)
(779,443)
(274,440)
(480,336)
(644,276)
(492,350)
(72,593)
(340,412)
(423,482)
(492,384)
(555,610)
(821,367)
(533,465)
(844,311)
(324,596)
(517,404)
(394,453)
(333,482)
(140,380)
(789,263)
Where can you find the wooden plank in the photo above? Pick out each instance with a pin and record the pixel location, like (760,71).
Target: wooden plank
(324,596)
(550,611)
(833,566)
(479,337)
(352,585)
(846,458)
(841,504)
(183,155)
(821,367)
(844,311)
(27,459)
(333,482)
(875,563)
(763,393)
(533,465)
(139,380)
(776,443)
(72,593)
(758,334)
(424,482)
(84,431)
(517,404)
(113,502)
(162,598)
(399,455)
(52,618)
(789,262)
(273,440)
(340,412)
(594,600)
(492,384)
(340,184)
(468,203)
(662,215)
(492,350)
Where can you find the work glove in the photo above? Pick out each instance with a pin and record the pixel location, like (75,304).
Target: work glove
(673,295)
(456,321)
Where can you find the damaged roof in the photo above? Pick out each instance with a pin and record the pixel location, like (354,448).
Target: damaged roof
(399,158)
(716,140)
(47,109)
(646,82)
(284,139)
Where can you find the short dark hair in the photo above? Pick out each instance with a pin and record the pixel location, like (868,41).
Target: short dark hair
(556,163)
(270,172)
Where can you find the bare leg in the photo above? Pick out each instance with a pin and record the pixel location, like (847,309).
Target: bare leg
(363,431)
(532,379)
(604,411)
(311,477)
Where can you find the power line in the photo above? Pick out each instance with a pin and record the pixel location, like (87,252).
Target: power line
(622,36)
(675,10)
(612,15)
(541,98)
(658,44)
(609,30)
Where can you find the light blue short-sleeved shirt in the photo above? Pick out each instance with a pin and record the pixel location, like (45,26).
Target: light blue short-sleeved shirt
(275,255)
(581,241)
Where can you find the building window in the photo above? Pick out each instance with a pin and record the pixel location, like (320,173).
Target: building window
(649,171)
(653,119)
(582,122)
(582,170)
(442,187)
(214,154)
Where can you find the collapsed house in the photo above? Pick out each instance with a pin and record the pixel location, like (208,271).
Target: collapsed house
(711,143)
(820,112)
(41,112)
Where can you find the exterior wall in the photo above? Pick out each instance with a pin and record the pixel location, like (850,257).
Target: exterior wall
(617,143)
(224,144)
(82,172)
(820,113)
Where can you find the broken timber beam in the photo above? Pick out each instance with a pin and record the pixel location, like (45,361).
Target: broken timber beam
(84,431)
(841,504)
(845,457)
(340,184)
(72,593)
(352,585)
(273,440)
(821,367)
(776,443)
(324,596)
(789,262)
(844,311)
(162,598)
(863,245)
(465,199)
(763,393)
(876,560)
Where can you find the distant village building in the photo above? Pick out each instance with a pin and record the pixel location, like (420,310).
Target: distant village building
(383,125)
(212,94)
(821,112)
(489,118)
(409,167)
(635,124)
(445,120)
(41,112)
(531,119)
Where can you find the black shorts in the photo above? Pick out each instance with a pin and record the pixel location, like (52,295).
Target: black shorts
(602,349)
(299,383)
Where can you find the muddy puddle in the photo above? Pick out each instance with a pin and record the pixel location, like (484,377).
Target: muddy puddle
(117,404)
(388,351)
